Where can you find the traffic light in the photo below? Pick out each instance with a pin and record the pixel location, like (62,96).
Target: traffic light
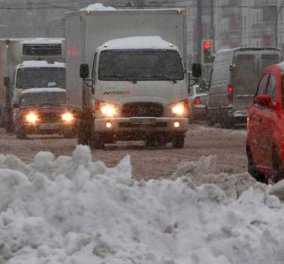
(207,51)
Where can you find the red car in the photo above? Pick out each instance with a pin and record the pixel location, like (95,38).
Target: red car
(265,127)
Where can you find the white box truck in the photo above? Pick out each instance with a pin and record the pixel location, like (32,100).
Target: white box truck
(28,63)
(132,62)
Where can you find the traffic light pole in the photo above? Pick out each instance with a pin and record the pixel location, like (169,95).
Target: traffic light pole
(198,30)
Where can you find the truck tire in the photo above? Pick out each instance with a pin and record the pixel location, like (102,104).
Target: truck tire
(85,128)
(178,141)
(21,133)
(97,141)
(150,141)
(161,140)
(83,137)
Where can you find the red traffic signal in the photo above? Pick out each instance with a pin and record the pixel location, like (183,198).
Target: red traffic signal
(207,44)
(207,56)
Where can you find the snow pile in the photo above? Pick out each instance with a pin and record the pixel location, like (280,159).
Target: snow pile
(205,171)
(97,7)
(74,210)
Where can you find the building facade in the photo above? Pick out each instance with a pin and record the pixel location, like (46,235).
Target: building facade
(230,23)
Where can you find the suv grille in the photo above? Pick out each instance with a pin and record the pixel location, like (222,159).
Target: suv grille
(50,117)
(142,109)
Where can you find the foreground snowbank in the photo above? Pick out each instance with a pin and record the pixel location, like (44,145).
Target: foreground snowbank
(73,210)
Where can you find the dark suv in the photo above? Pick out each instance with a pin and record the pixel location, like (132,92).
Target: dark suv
(265,127)
(43,111)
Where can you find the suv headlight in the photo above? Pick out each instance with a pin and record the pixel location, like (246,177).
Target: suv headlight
(32,117)
(67,117)
(180,109)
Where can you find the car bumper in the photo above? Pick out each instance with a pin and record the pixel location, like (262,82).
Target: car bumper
(49,128)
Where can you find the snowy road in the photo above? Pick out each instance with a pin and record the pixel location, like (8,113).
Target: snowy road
(227,145)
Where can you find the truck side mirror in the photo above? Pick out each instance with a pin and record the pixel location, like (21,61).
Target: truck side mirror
(84,71)
(7,81)
(196,69)
(232,67)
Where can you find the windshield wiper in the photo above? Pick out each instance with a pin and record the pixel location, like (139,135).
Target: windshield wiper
(49,104)
(160,76)
(121,77)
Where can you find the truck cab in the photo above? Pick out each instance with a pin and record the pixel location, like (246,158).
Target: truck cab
(37,74)
(139,92)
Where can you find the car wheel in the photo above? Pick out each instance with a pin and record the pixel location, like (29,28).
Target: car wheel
(97,141)
(278,173)
(208,118)
(21,133)
(69,134)
(178,141)
(252,169)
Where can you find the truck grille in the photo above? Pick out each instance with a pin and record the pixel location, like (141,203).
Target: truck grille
(142,109)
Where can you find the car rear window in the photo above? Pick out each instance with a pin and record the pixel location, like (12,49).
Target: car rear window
(246,73)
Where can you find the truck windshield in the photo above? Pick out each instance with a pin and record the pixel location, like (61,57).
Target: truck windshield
(38,77)
(43,98)
(140,65)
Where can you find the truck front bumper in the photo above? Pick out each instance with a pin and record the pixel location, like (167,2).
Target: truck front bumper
(141,124)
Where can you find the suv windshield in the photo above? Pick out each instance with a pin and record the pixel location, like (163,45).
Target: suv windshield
(43,98)
(139,65)
(38,77)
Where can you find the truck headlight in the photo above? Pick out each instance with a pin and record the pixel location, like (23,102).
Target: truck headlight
(107,109)
(180,108)
(67,117)
(31,117)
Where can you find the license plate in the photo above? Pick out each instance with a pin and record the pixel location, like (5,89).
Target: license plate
(48,126)
(143,121)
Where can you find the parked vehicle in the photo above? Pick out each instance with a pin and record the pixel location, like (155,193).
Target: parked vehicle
(234,76)
(197,103)
(137,88)
(264,145)
(43,111)
(19,60)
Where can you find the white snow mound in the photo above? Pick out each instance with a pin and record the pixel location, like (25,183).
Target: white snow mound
(74,210)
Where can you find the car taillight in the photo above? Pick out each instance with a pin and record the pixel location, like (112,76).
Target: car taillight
(197,101)
(230,94)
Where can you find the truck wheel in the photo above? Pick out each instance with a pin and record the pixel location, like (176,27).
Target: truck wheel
(97,141)
(84,133)
(150,141)
(21,133)
(161,140)
(252,170)
(178,141)
(82,136)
